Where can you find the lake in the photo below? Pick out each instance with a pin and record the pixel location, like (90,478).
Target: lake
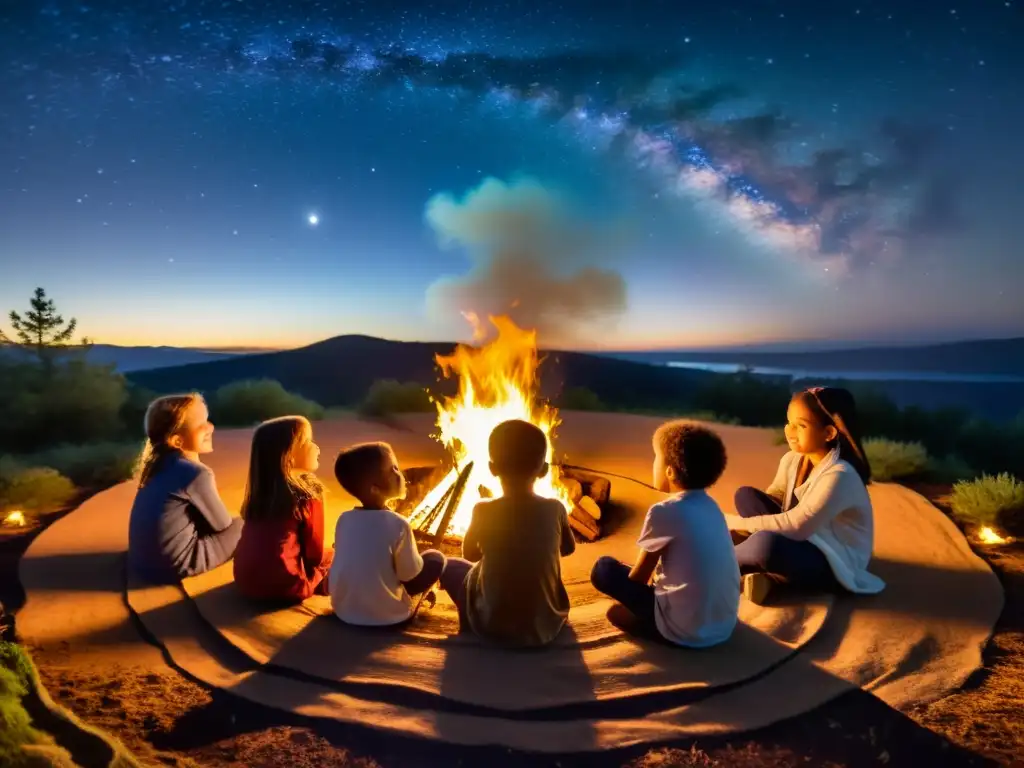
(797,373)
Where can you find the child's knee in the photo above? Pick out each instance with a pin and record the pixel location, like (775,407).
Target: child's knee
(759,547)
(746,500)
(603,571)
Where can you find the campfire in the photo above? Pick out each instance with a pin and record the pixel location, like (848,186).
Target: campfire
(497,381)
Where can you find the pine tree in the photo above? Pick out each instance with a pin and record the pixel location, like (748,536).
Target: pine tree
(41,329)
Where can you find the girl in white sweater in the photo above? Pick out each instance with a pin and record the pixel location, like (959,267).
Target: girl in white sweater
(813,527)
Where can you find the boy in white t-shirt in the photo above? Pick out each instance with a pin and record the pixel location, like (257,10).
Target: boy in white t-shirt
(377,569)
(685,544)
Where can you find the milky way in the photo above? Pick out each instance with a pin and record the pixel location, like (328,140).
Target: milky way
(837,208)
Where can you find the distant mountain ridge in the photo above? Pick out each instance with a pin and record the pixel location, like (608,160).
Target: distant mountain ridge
(340,370)
(991,356)
(128,359)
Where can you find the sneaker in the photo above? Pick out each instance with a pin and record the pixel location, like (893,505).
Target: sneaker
(757,587)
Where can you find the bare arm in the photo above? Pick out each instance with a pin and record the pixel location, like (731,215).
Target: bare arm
(568,543)
(471,541)
(644,566)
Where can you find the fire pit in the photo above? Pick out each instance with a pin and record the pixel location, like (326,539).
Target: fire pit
(497,381)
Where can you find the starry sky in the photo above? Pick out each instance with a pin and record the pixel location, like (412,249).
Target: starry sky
(656,173)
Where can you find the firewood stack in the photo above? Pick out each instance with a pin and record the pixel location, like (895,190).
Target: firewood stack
(589,494)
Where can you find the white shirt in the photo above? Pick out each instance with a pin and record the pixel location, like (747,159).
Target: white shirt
(697,580)
(832,510)
(374,552)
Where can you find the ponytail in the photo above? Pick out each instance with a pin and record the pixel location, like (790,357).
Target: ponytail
(836,407)
(165,418)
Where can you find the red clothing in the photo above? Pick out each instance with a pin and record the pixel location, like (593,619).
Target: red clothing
(284,559)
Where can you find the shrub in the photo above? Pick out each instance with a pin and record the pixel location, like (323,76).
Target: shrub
(71,402)
(91,465)
(32,489)
(754,400)
(244,403)
(891,460)
(950,469)
(388,396)
(15,724)
(989,500)
(580,399)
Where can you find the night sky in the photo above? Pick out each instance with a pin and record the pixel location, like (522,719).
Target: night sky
(618,175)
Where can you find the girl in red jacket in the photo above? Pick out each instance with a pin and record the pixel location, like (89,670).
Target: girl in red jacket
(281,554)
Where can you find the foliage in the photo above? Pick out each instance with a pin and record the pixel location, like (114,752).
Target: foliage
(245,403)
(387,396)
(892,460)
(90,465)
(984,500)
(580,399)
(71,403)
(949,469)
(753,400)
(41,329)
(15,724)
(32,489)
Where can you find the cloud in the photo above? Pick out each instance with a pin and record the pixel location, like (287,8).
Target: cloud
(532,258)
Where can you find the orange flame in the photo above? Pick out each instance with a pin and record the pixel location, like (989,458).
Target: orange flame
(497,382)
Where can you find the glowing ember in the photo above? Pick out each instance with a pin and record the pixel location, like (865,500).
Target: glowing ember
(16,518)
(497,382)
(988,536)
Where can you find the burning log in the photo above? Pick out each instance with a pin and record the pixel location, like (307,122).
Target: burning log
(584,524)
(590,507)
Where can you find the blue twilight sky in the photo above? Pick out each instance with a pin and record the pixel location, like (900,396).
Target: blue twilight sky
(618,175)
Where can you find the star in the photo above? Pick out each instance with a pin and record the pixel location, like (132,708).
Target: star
(313,219)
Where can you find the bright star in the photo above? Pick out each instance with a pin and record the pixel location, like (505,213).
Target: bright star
(313,219)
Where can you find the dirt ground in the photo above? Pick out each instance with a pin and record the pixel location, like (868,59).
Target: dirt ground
(168,720)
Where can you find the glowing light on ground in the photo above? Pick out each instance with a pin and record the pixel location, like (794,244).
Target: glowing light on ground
(497,382)
(15,518)
(988,536)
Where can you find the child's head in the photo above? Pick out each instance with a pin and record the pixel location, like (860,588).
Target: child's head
(687,456)
(370,472)
(821,418)
(175,423)
(519,451)
(282,461)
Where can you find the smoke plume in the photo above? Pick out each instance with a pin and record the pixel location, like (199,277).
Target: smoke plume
(531,258)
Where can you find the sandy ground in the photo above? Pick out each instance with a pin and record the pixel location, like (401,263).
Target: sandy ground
(168,720)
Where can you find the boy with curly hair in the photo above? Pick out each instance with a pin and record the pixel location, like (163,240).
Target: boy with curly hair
(685,544)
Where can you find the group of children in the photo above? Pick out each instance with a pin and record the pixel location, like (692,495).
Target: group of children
(812,527)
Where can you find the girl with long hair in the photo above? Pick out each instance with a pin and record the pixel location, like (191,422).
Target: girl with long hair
(814,525)
(281,555)
(179,526)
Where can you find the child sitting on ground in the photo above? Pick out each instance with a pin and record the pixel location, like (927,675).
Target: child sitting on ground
(377,569)
(513,594)
(686,545)
(281,554)
(178,525)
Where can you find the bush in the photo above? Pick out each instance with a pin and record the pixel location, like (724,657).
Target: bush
(32,489)
(752,400)
(580,399)
(950,469)
(92,465)
(15,724)
(388,396)
(245,403)
(71,402)
(989,500)
(891,460)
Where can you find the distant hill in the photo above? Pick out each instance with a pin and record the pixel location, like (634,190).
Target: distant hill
(1004,357)
(339,371)
(126,359)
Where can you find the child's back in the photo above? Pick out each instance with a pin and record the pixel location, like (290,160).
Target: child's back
(514,594)
(375,552)
(697,580)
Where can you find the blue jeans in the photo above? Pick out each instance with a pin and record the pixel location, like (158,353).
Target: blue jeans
(787,560)
(611,577)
